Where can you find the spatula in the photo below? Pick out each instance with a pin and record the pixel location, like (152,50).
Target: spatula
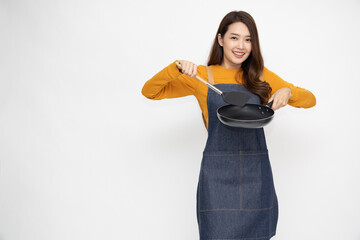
(234,98)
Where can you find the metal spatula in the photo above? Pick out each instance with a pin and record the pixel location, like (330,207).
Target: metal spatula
(234,98)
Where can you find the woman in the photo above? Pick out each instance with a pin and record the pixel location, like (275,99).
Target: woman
(236,198)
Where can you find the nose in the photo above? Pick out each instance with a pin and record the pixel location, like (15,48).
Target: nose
(241,44)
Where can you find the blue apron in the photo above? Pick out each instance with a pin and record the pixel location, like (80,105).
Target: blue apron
(236,198)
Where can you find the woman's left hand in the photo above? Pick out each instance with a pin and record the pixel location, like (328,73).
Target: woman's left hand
(281,98)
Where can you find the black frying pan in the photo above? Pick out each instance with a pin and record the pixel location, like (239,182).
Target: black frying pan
(248,116)
(239,114)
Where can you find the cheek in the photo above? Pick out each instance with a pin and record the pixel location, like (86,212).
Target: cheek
(249,48)
(226,46)
(229,45)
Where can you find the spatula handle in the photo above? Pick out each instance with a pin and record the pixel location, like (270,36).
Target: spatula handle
(218,91)
(270,104)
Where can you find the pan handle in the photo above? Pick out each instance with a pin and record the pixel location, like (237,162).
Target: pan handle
(270,104)
(218,91)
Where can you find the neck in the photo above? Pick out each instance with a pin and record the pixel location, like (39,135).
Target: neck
(230,67)
(225,64)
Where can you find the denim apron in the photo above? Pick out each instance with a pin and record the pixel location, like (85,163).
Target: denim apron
(236,198)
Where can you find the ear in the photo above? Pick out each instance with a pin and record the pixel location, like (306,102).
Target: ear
(220,40)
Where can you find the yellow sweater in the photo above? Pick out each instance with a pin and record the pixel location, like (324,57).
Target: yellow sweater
(171,83)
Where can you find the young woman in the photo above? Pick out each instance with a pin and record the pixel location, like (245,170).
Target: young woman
(236,198)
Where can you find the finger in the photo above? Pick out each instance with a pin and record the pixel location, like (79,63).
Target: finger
(271,98)
(191,70)
(183,64)
(186,69)
(275,105)
(195,70)
(178,64)
(281,103)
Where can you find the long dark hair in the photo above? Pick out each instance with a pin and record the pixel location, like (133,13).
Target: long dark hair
(253,66)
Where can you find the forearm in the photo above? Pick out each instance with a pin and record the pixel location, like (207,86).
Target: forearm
(302,98)
(168,83)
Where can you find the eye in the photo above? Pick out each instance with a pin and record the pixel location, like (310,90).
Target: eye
(248,39)
(235,38)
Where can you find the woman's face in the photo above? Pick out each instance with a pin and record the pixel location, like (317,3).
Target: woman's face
(236,45)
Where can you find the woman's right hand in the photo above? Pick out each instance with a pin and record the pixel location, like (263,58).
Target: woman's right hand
(188,68)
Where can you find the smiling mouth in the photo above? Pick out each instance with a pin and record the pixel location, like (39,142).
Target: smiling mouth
(239,54)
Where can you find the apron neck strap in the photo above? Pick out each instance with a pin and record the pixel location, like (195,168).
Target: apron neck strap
(210,75)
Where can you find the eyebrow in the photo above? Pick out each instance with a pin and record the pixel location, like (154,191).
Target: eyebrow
(236,34)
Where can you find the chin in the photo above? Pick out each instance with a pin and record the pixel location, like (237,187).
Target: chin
(242,60)
(238,62)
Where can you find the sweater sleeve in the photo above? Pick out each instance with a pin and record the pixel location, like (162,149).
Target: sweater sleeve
(169,83)
(301,98)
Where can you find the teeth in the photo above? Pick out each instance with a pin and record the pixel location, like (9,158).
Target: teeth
(239,54)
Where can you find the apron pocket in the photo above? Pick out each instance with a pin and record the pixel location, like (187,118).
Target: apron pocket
(219,182)
(257,186)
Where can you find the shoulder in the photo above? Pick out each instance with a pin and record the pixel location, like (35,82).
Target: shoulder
(266,72)
(202,70)
(268,75)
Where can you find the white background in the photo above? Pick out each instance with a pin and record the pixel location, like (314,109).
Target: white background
(85,156)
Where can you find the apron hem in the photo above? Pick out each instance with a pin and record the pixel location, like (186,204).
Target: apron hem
(267,237)
(234,153)
(236,210)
